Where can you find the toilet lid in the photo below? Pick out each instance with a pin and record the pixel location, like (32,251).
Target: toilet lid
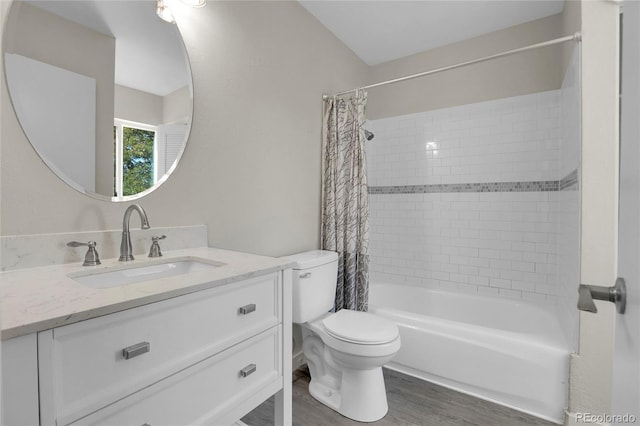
(360,327)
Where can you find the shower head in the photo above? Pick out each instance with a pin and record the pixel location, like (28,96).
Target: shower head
(369,135)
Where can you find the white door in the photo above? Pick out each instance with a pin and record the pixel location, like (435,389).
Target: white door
(626,369)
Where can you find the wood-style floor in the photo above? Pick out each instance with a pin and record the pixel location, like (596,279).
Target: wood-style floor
(411,402)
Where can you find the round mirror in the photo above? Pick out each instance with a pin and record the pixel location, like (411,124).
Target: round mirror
(102,90)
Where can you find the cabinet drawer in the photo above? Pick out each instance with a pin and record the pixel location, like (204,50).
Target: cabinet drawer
(88,367)
(213,386)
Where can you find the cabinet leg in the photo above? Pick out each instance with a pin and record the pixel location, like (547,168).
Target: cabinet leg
(284,397)
(282,407)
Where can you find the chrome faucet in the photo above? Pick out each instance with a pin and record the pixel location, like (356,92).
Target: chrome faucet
(126,252)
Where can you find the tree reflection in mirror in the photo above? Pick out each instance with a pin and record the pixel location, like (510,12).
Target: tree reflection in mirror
(134,157)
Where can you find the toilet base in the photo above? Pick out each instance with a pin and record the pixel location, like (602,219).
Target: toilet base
(362,395)
(346,376)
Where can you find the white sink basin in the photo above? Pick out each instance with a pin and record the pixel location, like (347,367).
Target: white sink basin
(128,274)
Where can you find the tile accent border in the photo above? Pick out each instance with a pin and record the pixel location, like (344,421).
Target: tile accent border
(569,182)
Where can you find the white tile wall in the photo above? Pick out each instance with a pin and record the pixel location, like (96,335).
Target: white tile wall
(493,243)
(504,244)
(513,139)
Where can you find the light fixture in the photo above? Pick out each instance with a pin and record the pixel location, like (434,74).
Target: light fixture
(195,3)
(163,12)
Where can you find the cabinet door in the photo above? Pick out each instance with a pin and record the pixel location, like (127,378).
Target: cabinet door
(20,381)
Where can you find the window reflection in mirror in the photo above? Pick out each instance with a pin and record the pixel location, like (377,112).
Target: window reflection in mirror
(134,146)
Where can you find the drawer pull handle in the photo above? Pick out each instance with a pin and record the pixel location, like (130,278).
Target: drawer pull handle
(135,350)
(306,275)
(249,369)
(146,424)
(247,309)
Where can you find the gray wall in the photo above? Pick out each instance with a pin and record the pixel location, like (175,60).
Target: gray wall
(142,107)
(134,105)
(251,170)
(520,74)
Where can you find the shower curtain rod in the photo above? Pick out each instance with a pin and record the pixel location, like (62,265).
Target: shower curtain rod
(575,37)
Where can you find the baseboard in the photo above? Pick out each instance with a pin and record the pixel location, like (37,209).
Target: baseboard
(298,360)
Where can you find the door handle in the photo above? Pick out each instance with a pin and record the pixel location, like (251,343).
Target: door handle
(616,294)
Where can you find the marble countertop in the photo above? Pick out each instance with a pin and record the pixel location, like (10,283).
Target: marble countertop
(41,298)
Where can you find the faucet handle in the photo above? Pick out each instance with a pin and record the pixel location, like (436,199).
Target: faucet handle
(154,251)
(91,258)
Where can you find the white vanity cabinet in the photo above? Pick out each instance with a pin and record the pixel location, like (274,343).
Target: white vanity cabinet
(19,381)
(203,358)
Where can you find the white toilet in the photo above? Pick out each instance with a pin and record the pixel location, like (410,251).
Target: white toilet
(345,351)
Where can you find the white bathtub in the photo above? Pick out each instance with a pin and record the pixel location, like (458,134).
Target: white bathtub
(506,351)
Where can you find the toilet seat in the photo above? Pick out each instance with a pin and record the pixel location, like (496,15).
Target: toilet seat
(357,348)
(360,327)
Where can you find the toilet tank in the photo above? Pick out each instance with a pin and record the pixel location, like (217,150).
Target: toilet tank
(315,274)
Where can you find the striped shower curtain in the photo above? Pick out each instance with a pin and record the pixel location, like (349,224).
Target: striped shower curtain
(345,206)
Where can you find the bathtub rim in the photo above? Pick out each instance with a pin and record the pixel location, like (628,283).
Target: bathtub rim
(560,339)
